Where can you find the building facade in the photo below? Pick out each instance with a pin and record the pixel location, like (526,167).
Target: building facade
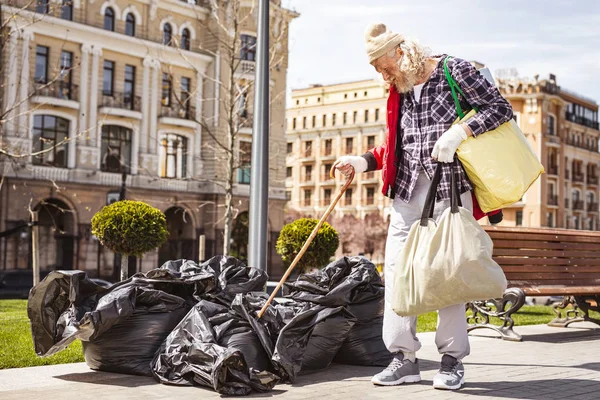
(98,95)
(326,122)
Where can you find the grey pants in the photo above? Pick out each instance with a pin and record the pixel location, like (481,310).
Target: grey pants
(399,333)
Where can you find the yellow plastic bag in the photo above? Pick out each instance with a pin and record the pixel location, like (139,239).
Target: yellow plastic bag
(500,164)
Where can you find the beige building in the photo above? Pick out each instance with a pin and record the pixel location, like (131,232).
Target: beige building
(326,122)
(103,90)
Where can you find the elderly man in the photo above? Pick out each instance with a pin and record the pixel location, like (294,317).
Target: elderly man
(420,134)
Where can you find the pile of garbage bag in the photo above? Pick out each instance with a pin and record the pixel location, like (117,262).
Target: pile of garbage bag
(196,324)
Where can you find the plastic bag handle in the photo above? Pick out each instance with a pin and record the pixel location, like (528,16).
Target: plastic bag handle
(455,201)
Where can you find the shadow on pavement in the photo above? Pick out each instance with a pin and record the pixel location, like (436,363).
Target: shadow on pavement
(590,366)
(107,378)
(577,335)
(511,390)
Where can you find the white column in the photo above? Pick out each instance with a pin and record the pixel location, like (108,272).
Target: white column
(24,86)
(94,136)
(154,108)
(11,90)
(145,104)
(199,115)
(86,49)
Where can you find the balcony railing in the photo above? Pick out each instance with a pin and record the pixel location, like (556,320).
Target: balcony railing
(326,202)
(125,101)
(57,89)
(592,146)
(578,205)
(592,180)
(581,120)
(327,151)
(566,203)
(246,67)
(307,152)
(326,177)
(592,207)
(553,170)
(552,200)
(567,174)
(307,179)
(306,203)
(245,120)
(370,201)
(578,177)
(369,175)
(178,111)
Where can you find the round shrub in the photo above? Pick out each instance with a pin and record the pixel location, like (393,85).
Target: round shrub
(294,235)
(130,227)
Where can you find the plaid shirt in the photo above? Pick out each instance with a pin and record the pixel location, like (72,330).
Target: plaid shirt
(423,122)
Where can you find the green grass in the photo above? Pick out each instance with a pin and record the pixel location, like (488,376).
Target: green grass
(16,345)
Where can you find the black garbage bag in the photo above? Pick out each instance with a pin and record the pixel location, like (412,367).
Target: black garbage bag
(216,347)
(355,284)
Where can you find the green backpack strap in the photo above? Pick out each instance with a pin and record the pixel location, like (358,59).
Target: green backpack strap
(454,88)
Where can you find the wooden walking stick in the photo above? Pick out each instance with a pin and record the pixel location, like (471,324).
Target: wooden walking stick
(310,238)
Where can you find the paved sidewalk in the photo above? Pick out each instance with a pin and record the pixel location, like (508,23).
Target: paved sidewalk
(551,363)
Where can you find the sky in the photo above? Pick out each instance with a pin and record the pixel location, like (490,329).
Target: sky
(532,36)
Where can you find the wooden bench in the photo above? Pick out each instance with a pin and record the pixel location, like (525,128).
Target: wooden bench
(536,262)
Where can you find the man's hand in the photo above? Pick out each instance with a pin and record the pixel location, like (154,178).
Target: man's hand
(446,145)
(345,164)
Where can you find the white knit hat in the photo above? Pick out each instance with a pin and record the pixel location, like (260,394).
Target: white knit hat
(379,40)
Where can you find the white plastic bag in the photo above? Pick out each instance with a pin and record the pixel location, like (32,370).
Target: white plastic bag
(445,262)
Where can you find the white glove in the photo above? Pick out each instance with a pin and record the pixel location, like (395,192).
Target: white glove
(345,163)
(446,145)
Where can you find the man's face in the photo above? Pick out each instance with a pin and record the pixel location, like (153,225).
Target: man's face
(390,71)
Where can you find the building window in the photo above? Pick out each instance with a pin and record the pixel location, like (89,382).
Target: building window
(130,25)
(108,78)
(303,122)
(129,87)
(308,148)
(348,197)
(333,118)
(109,19)
(42,6)
(551,126)
(324,120)
(166,90)
(294,123)
(185,39)
(186,96)
(248,48)
(366,115)
(115,148)
(290,148)
(308,173)
(326,197)
(345,95)
(355,95)
(326,170)
(314,121)
(41,64)
(370,142)
(376,114)
(345,118)
(307,197)
(297,102)
(318,99)
(354,116)
(173,156)
(370,196)
(365,94)
(48,132)
(349,145)
(550,220)
(66,10)
(65,77)
(167,34)
(245,159)
(328,147)
(519,218)
(288,172)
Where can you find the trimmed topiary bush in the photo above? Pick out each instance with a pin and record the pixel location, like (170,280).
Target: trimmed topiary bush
(294,235)
(131,228)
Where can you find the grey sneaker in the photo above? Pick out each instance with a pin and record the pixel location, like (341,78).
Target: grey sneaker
(399,371)
(451,375)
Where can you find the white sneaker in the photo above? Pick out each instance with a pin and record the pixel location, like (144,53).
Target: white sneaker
(451,375)
(399,371)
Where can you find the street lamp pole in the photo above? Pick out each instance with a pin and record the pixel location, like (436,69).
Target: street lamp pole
(259,178)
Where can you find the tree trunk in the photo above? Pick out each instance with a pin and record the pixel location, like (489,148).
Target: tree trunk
(228,201)
(124,267)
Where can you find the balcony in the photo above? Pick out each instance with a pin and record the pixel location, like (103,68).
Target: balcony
(326,179)
(327,153)
(245,121)
(326,202)
(578,205)
(592,207)
(246,67)
(177,114)
(567,174)
(553,170)
(56,93)
(581,120)
(578,177)
(307,181)
(553,200)
(592,180)
(121,104)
